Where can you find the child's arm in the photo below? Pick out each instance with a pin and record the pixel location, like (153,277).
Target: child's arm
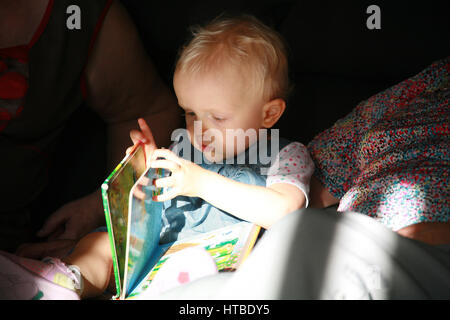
(260,205)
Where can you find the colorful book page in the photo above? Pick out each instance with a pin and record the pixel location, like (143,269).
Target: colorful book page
(228,247)
(144,230)
(115,193)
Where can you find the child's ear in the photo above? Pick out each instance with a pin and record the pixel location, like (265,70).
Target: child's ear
(272,111)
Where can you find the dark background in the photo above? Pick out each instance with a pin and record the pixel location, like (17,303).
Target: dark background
(335,63)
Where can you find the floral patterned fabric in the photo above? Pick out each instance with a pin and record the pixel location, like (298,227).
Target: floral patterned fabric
(389,157)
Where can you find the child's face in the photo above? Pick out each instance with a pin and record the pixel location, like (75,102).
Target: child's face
(224,105)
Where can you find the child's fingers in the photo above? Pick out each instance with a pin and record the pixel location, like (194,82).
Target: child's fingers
(139,193)
(146,131)
(164,182)
(144,181)
(167,154)
(144,136)
(129,149)
(165,164)
(172,193)
(137,136)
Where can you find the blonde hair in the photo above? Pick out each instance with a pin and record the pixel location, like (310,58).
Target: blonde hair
(243,42)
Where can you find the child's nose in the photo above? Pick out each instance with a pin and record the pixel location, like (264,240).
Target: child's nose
(209,134)
(208,138)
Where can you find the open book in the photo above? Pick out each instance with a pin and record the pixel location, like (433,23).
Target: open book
(134,227)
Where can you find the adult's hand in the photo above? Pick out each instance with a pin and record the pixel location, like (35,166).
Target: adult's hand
(52,248)
(66,226)
(75,219)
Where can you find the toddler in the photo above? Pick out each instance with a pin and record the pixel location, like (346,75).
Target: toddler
(231,80)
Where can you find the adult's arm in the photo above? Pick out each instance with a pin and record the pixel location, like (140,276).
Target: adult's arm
(122,85)
(320,197)
(433,233)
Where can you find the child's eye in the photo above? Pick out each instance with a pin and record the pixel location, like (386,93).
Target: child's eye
(218,118)
(189,114)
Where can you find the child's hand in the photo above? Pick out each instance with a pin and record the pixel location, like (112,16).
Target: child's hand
(185,179)
(144,136)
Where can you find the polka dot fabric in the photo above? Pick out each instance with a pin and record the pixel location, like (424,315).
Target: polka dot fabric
(293,165)
(389,158)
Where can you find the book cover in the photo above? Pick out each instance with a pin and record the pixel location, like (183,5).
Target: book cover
(134,225)
(115,195)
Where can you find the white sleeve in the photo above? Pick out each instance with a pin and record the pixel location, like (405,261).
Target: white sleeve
(293,165)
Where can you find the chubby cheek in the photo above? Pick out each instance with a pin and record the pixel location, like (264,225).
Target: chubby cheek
(231,143)
(241,140)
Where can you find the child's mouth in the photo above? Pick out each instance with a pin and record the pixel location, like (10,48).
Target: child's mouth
(207,147)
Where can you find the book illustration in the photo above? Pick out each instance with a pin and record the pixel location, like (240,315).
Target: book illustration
(115,194)
(134,223)
(184,266)
(222,253)
(143,232)
(226,246)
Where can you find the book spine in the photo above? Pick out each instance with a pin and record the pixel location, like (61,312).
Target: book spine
(111,238)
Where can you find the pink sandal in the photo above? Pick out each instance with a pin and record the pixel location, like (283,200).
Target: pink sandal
(28,279)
